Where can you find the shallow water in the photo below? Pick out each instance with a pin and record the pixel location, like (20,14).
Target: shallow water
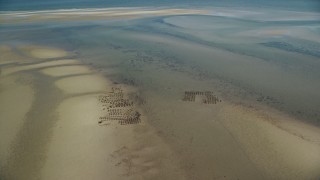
(275,64)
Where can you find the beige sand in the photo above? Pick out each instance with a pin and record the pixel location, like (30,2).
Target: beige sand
(91,14)
(82,84)
(14,69)
(15,101)
(42,52)
(279,154)
(48,53)
(66,70)
(204,147)
(238,142)
(81,149)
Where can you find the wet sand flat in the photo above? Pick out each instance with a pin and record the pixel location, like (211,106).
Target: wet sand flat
(228,139)
(16,101)
(7,56)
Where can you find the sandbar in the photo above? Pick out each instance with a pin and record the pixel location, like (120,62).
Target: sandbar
(42,52)
(79,146)
(47,53)
(278,153)
(81,149)
(14,69)
(82,84)
(66,70)
(91,14)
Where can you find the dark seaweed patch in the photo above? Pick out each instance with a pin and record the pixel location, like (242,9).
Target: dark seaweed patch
(291,48)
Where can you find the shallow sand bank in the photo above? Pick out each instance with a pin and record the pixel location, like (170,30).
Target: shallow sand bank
(47,53)
(291,153)
(236,142)
(82,84)
(228,140)
(90,14)
(15,101)
(205,148)
(14,69)
(66,70)
(42,52)
(81,149)
(79,146)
